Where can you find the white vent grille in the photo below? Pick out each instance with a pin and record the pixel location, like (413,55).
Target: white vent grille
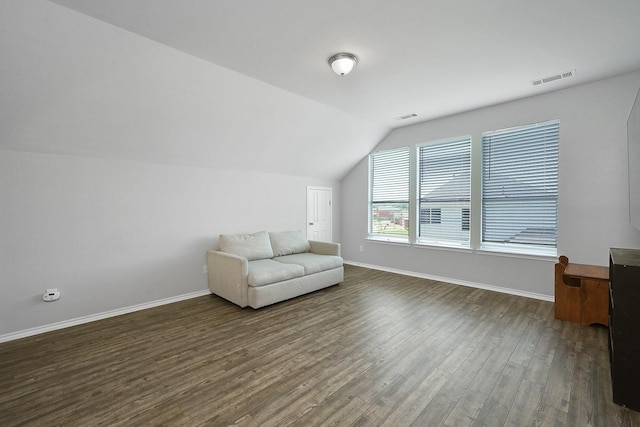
(553,78)
(406,116)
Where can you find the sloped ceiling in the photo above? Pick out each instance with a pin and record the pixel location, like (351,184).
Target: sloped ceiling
(246,83)
(429,57)
(74,85)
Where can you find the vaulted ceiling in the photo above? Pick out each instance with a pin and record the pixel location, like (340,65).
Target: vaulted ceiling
(246,84)
(427,57)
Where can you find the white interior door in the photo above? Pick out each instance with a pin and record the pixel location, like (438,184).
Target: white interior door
(319,213)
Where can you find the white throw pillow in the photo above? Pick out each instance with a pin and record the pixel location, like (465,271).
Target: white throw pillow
(249,246)
(289,242)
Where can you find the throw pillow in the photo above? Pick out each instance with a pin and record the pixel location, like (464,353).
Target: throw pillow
(289,242)
(250,246)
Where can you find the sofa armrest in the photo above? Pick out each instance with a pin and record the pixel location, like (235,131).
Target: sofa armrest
(228,275)
(324,248)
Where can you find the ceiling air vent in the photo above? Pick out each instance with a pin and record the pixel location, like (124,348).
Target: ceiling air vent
(406,116)
(550,79)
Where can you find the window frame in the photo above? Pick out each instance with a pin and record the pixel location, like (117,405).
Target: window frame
(547,166)
(443,152)
(397,154)
(471,214)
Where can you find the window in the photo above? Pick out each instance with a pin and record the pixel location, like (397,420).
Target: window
(444,192)
(520,188)
(502,198)
(389,194)
(466,219)
(430,216)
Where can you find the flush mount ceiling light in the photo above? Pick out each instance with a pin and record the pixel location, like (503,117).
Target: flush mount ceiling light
(343,63)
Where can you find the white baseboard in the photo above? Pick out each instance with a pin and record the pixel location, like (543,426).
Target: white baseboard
(112,313)
(510,291)
(93,317)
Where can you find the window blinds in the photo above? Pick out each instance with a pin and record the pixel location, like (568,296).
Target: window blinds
(444,187)
(389,196)
(390,176)
(520,185)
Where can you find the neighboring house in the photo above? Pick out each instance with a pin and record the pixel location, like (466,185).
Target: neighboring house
(444,209)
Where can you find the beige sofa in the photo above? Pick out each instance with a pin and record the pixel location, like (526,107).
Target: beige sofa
(263,268)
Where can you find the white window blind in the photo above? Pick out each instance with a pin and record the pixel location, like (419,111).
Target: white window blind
(389,194)
(444,191)
(520,187)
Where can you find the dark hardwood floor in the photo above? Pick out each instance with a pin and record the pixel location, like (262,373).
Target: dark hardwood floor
(379,349)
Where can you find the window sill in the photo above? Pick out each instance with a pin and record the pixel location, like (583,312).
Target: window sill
(388,240)
(538,255)
(519,253)
(436,246)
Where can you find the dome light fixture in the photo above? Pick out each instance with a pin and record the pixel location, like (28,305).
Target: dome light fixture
(343,63)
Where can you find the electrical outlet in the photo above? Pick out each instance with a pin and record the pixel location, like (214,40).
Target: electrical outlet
(51,295)
(205,270)
(361,248)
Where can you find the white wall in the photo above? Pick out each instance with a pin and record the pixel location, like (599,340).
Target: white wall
(593,194)
(152,153)
(111,234)
(108,220)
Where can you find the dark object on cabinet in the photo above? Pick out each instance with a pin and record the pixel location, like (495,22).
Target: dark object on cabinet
(624,326)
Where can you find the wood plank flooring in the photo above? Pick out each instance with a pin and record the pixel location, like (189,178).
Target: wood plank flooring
(378,350)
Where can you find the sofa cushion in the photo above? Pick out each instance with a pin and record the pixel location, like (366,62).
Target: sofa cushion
(289,242)
(249,246)
(266,271)
(312,263)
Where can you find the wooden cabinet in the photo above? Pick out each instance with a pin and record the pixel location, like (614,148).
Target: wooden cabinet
(624,326)
(581,293)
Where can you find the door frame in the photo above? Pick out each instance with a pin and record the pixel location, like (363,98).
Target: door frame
(311,188)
